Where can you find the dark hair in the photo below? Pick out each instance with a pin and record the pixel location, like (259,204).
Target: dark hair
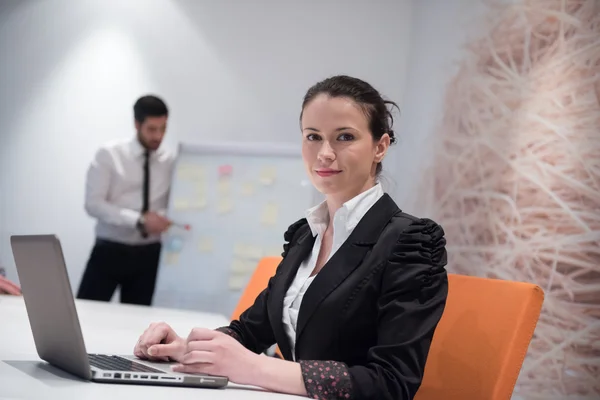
(149,106)
(372,103)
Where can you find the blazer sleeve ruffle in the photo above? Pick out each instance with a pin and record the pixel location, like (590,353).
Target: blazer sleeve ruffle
(253,329)
(411,303)
(289,236)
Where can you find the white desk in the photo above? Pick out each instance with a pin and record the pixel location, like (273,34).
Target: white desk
(107,328)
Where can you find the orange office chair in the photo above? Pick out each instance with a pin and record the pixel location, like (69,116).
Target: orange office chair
(481,340)
(479,344)
(258,282)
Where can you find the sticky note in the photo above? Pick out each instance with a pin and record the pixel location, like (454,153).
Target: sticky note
(253,253)
(223,187)
(171,258)
(205,244)
(181,204)
(225,205)
(237,265)
(274,251)
(248,189)
(269,214)
(239,249)
(200,189)
(198,203)
(240,266)
(248,252)
(174,243)
(197,173)
(225,170)
(247,267)
(267,175)
(191,172)
(237,282)
(183,171)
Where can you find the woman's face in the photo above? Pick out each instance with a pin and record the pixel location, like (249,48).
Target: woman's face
(338,149)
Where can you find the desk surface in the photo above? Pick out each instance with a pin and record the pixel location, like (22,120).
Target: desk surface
(107,328)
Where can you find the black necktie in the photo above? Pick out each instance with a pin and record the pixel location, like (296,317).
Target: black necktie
(146,194)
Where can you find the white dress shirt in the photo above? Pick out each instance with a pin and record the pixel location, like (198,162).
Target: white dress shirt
(344,221)
(114,189)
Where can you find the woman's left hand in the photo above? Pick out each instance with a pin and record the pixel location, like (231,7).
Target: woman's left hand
(215,353)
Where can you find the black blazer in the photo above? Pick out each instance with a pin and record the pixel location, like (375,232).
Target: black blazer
(366,322)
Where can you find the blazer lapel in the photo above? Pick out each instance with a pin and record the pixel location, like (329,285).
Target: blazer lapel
(348,257)
(292,261)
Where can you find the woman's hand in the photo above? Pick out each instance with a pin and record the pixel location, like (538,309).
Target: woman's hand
(160,343)
(215,353)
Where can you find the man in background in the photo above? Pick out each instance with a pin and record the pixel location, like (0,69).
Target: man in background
(127,188)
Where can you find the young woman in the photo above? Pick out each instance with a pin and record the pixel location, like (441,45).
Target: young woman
(361,288)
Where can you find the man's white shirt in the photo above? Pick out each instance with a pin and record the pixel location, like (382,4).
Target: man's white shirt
(114,189)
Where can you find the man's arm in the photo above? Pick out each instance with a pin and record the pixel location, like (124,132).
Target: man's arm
(96,193)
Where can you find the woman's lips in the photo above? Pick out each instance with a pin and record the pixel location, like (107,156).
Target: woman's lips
(325,172)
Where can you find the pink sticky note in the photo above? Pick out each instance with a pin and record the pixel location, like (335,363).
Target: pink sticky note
(225,170)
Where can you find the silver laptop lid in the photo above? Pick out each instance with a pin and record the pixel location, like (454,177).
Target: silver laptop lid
(50,304)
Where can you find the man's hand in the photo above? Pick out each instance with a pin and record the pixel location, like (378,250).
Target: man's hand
(160,343)
(7,287)
(155,223)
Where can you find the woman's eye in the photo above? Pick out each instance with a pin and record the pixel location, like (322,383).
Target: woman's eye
(312,137)
(345,137)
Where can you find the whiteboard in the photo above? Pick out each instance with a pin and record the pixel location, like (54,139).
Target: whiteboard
(238,199)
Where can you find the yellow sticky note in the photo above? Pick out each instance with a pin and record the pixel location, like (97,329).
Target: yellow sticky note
(239,249)
(223,187)
(171,258)
(198,203)
(183,171)
(201,189)
(181,204)
(191,172)
(238,266)
(205,245)
(253,253)
(267,175)
(269,214)
(248,189)
(247,252)
(197,173)
(237,282)
(273,252)
(249,266)
(225,205)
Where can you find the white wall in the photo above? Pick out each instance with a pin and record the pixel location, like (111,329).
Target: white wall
(237,70)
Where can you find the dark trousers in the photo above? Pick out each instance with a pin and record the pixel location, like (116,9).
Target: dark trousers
(132,267)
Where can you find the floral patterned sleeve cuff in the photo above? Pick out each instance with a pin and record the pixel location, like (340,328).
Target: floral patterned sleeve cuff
(326,380)
(228,331)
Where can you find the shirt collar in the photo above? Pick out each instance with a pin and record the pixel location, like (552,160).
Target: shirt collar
(348,216)
(138,150)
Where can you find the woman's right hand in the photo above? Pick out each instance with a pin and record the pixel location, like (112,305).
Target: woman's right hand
(160,343)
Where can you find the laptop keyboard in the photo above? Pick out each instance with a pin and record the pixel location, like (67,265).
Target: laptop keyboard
(116,363)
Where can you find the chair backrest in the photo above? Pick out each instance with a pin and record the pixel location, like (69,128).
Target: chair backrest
(258,282)
(482,339)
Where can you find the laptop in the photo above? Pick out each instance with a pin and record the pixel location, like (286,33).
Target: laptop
(56,330)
